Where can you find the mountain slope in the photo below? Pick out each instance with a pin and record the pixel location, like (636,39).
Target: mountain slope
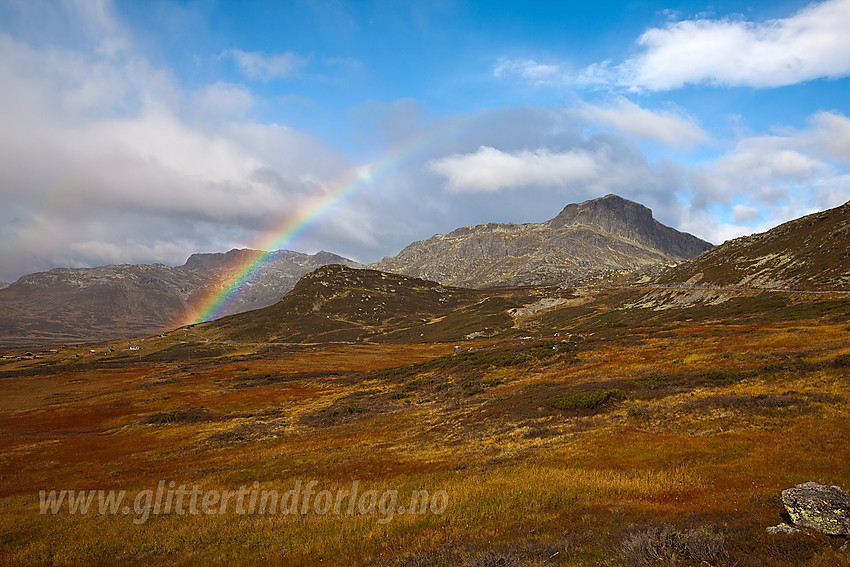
(68,304)
(584,239)
(808,253)
(338,303)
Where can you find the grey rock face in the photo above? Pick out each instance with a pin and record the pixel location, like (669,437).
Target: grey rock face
(817,506)
(585,239)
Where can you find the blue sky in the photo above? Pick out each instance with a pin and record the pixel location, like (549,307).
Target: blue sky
(146,131)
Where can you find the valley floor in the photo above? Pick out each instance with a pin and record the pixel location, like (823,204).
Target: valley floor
(603,437)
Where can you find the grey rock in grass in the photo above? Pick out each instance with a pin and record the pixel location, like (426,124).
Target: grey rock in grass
(782,529)
(823,508)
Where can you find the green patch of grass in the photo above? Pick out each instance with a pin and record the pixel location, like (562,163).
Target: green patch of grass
(654,379)
(724,376)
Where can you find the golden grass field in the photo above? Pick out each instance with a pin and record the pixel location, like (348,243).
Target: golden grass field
(682,436)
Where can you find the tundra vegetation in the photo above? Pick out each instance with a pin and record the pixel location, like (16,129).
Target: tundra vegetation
(586,433)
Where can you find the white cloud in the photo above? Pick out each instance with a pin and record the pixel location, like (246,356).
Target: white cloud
(811,44)
(667,127)
(766,180)
(490,169)
(262,66)
(127,251)
(767,170)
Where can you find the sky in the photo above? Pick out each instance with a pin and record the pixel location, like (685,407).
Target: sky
(145,131)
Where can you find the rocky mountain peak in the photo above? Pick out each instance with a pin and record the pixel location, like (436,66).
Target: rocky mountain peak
(605,233)
(610,213)
(615,215)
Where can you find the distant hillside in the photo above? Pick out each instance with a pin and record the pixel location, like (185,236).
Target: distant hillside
(609,233)
(810,253)
(68,304)
(283,270)
(338,303)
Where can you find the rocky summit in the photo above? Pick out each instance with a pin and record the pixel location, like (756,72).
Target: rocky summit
(582,241)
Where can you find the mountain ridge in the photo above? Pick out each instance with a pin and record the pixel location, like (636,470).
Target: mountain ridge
(809,253)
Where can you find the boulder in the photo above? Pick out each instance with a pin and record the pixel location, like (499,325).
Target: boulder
(823,508)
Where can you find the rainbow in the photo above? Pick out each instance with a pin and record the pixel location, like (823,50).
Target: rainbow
(356,180)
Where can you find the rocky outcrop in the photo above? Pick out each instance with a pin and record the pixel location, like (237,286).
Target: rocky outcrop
(820,507)
(582,241)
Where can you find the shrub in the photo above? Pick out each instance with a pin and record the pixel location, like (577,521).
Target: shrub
(724,376)
(585,400)
(190,415)
(667,546)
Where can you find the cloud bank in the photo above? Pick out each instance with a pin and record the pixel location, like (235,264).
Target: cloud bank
(107,159)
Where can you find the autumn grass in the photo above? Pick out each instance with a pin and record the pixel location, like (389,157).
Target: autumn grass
(694,430)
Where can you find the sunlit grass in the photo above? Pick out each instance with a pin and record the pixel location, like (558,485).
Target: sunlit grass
(709,421)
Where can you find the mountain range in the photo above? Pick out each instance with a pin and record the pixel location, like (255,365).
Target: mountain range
(72,304)
(426,290)
(338,303)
